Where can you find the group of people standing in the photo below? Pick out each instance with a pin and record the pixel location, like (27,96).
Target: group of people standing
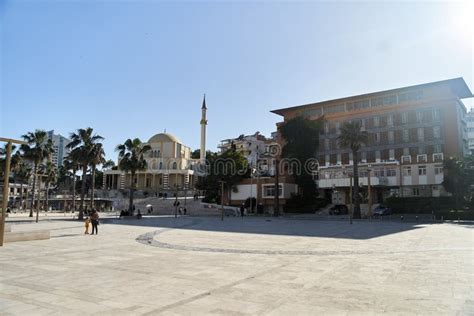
(94,220)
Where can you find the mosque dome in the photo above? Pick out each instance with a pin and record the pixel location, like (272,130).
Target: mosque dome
(164,138)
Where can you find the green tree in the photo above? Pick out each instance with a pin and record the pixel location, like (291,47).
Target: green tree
(458,178)
(49,174)
(229,166)
(37,148)
(82,145)
(97,158)
(108,165)
(16,157)
(72,163)
(353,137)
(131,159)
(301,137)
(22,174)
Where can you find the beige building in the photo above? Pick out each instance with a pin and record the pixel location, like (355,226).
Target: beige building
(412,130)
(169,166)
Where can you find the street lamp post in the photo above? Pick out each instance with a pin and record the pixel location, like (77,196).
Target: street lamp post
(176,202)
(369,191)
(222,199)
(350,197)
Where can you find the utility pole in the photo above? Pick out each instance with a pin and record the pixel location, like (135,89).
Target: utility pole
(369,192)
(350,197)
(176,202)
(6,183)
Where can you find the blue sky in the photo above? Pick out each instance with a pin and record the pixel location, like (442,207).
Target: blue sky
(132,69)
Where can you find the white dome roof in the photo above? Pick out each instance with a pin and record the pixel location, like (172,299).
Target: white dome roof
(164,138)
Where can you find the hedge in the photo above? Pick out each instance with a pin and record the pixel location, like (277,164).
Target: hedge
(420,204)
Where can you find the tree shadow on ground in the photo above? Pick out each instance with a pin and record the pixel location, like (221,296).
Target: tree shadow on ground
(275,226)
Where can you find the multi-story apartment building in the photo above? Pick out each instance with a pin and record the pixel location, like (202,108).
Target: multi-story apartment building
(470,130)
(253,147)
(59,145)
(412,129)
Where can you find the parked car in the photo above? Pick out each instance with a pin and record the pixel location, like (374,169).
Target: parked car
(339,209)
(382,210)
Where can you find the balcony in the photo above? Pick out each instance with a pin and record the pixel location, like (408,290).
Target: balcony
(363,181)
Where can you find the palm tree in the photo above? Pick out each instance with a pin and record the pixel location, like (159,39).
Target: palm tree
(72,163)
(49,172)
(15,158)
(22,174)
(97,158)
(353,137)
(37,148)
(82,145)
(131,160)
(109,164)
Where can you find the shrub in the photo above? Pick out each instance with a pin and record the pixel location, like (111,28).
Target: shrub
(419,204)
(298,204)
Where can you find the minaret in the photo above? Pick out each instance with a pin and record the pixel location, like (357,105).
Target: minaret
(203,131)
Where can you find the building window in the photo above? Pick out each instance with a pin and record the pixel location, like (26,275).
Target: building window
(422,170)
(326,144)
(269,191)
(391,172)
(361,104)
(438,169)
(404,118)
(391,154)
(391,137)
(390,99)
(421,134)
(436,114)
(376,102)
(438,157)
(406,159)
(326,128)
(377,138)
(161,165)
(379,172)
(377,155)
(376,121)
(338,128)
(416,191)
(406,171)
(419,116)
(390,120)
(436,132)
(421,158)
(406,136)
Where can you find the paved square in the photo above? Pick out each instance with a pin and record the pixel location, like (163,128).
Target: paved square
(256,266)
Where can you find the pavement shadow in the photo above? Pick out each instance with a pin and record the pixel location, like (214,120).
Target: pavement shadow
(274,226)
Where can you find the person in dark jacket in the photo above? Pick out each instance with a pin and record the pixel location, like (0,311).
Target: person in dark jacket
(95,222)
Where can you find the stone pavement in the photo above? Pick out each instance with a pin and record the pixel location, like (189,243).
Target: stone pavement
(254,266)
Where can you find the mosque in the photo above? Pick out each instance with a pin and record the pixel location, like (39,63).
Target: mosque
(169,165)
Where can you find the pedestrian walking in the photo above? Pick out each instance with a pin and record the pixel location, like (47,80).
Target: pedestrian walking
(242,210)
